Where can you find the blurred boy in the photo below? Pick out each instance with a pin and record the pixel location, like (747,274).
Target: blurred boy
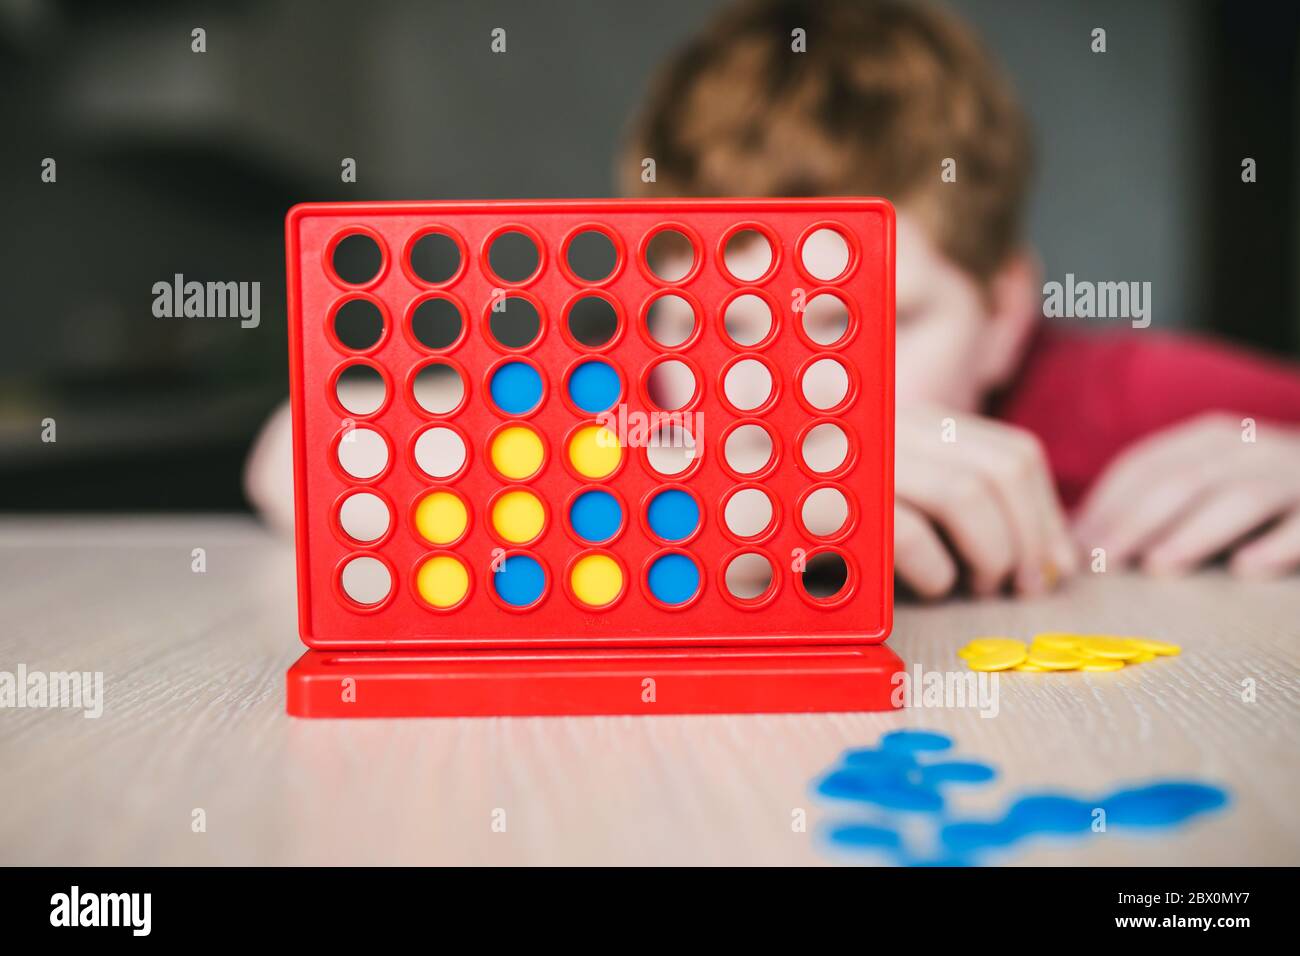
(1144,430)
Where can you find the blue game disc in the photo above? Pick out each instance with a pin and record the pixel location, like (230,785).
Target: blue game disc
(595,516)
(915,741)
(900,795)
(956,771)
(865,836)
(520,581)
(847,785)
(890,793)
(884,763)
(968,836)
(516,388)
(1050,813)
(594,386)
(674,578)
(1161,804)
(673,515)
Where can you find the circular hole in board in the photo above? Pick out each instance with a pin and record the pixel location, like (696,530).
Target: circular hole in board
(825,447)
(435,257)
(436,323)
(749,576)
(518,516)
(671,385)
(748,255)
(362,453)
(592,256)
(825,383)
(748,449)
(440,452)
(366,580)
(594,386)
(357,259)
(596,580)
(670,449)
(747,320)
(824,575)
(358,324)
(673,515)
(825,318)
(670,320)
(670,255)
(593,321)
(517,452)
(360,389)
(748,384)
(825,511)
(514,257)
(595,516)
(517,324)
(441,517)
(364,517)
(443,581)
(673,578)
(516,388)
(595,452)
(519,581)
(748,512)
(825,254)
(438,388)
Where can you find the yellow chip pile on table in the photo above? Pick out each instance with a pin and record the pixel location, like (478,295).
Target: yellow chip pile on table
(1054,651)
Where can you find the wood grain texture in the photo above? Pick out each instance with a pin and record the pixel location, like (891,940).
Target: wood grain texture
(194,686)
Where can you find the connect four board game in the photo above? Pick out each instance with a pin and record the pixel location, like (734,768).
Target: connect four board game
(558,457)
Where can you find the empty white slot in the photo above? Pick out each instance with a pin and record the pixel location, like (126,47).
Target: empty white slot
(748,384)
(364,517)
(366,580)
(439,452)
(825,447)
(363,453)
(748,512)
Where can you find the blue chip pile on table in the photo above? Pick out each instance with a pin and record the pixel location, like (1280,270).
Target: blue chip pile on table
(903,787)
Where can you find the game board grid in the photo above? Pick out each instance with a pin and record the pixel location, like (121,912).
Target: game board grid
(633,513)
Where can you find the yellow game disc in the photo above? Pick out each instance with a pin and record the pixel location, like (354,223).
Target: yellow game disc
(1101,664)
(517,452)
(442,580)
(998,659)
(1058,640)
(982,645)
(596,580)
(1159,648)
(518,516)
(1142,658)
(594,451)
(1116,647)
(1055,659)
(441,517)
(1026,666)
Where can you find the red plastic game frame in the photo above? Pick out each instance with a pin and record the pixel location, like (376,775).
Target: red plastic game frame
(729,658)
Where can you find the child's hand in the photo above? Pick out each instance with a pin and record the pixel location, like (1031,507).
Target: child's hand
(1194,491)
(975,494)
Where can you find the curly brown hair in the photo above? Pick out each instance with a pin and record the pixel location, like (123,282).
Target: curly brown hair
(886,91)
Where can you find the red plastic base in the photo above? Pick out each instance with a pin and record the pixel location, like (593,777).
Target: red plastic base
(592,681)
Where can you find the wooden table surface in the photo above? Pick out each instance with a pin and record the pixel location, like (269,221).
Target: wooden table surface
(194,719)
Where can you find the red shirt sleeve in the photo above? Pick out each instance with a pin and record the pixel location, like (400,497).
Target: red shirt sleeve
(1087,395)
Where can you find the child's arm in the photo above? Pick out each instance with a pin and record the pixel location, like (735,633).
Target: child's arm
(1191,492)
(973,495)
(1207,459)
(268,472)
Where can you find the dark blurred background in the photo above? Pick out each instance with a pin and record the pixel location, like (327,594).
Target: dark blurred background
(171,161)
